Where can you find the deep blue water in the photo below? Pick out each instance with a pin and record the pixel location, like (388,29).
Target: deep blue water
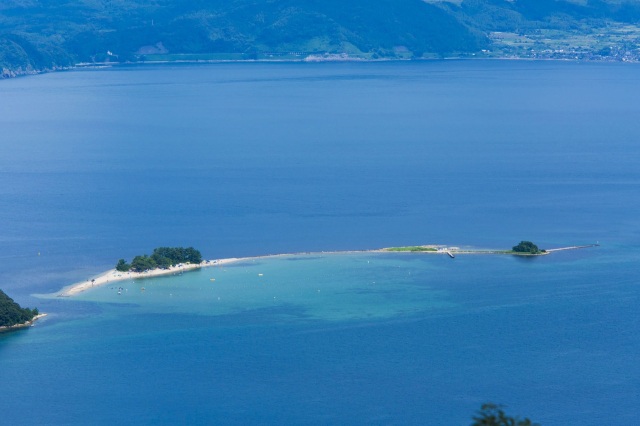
(253,159)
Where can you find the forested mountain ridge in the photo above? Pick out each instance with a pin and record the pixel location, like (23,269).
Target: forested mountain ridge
(37,35)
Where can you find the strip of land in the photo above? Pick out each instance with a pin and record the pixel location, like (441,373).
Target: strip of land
(572,247)
(112,275)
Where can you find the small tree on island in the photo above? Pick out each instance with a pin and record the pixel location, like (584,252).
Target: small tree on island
(527,247)
(122,266)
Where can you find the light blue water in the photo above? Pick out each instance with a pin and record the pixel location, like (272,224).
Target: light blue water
(252,159)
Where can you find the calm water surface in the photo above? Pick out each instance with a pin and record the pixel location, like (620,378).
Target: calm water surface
(253,159)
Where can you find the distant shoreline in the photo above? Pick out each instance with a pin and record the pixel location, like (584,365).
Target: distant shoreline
(112,275)
(10,74)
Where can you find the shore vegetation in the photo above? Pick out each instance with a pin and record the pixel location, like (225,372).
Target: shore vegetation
(162,257)
(12,314)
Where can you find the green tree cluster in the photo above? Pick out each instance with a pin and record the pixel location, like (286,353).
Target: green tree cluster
(123,266)
(143,263)
(527,247)
(162,257)
(12,314)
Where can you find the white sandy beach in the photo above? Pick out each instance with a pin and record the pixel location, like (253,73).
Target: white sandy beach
(113,275)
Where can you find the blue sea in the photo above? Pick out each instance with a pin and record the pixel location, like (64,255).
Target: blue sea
(254,159)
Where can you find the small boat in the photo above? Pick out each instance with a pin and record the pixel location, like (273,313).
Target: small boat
(212,279)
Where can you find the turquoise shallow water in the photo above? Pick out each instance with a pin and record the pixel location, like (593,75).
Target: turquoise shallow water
(281,158)
(337,287)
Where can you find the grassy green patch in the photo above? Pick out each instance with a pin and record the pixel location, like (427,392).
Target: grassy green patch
(412,248)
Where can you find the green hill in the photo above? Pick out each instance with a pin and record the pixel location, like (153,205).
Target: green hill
(47,34)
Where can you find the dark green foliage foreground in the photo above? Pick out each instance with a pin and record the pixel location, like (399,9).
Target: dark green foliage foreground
(162,257)
(12,314)
(49,34)
(493,415)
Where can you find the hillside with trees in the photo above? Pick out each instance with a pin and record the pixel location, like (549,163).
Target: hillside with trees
(12,314)
(38,35)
